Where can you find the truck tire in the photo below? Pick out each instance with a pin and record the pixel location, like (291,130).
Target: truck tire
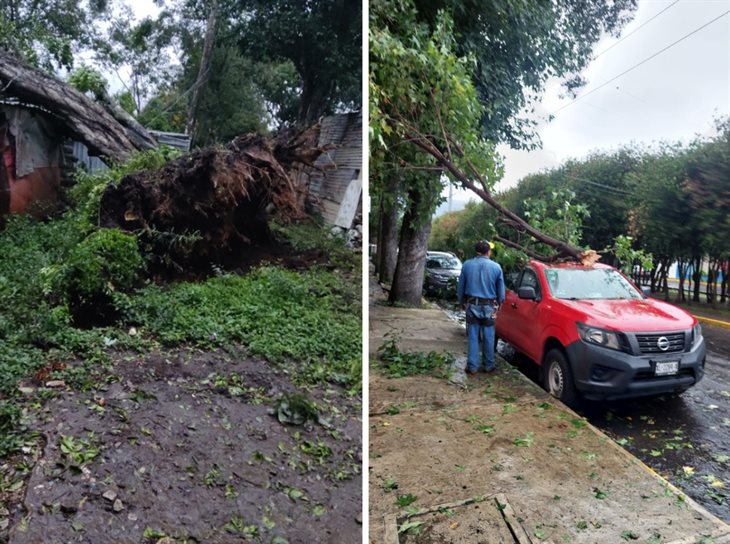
(558,378)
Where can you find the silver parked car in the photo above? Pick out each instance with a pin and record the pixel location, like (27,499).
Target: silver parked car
(442,271)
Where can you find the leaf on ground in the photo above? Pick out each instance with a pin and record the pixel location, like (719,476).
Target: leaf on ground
(405,500)
(486,429)
(295,494)
(412,526)
(526,441)
(599,494)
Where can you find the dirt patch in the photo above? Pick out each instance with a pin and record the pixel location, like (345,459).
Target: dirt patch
(432,443)
(187,444)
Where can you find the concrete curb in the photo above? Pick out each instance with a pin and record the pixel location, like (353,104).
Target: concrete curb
(710,321)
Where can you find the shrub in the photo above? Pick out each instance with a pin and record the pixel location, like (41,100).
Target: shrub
(106,262)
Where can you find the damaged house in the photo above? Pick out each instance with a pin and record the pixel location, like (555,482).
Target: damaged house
(39,156)
(30,173)
(225,193)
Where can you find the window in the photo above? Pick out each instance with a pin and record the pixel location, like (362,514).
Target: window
(529,279)
(510,280)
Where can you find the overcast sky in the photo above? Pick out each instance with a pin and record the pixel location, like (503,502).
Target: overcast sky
(674,96)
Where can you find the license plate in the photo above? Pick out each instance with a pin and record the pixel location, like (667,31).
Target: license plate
(666,368)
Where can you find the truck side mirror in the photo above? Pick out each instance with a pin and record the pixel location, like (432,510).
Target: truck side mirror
(527,293)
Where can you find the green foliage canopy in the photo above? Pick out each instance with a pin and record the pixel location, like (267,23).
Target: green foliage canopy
(322,40)
(420,89)
(48,33)
(517,45)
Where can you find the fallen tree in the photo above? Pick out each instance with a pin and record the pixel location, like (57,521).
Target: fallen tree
(109,133)
(471,179)
(207,205)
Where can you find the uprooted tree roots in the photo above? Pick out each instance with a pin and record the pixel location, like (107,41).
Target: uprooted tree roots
(211,204)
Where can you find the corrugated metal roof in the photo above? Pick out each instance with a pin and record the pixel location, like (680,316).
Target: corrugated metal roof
(173,139)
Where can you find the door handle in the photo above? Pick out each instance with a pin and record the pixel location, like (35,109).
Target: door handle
(514,305)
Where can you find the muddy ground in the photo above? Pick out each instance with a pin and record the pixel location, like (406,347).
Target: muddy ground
(186,444)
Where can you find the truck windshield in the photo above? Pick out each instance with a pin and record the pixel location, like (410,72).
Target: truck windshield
(592,284)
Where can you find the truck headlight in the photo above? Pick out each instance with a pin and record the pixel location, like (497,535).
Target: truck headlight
(599,337)
(696,334)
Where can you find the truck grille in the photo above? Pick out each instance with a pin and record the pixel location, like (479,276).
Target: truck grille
(648,343)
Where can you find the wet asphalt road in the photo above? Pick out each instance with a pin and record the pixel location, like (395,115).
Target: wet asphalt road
(685,438)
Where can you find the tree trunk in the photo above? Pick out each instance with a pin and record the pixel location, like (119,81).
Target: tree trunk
(313,99)
(697,277)
(387,256)
(664,280)
(407,284)
(711,287)
(206,60)
(723,286)
(681,271)
(85,119)
(655,274)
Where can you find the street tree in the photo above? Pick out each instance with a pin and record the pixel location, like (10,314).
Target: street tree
(48,33)
(418,85)
(479,52)
(321,39)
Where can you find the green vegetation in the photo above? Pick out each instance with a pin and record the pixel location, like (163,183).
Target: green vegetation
(395,363)
(59,274)
(643,209)
(444,92)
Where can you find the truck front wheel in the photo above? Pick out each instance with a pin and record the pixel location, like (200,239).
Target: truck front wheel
(557,377)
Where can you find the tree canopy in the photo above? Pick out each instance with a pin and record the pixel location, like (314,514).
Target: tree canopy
(518,45)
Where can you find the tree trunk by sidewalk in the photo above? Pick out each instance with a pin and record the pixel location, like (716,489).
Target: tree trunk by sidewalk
(407,284)
(387,252)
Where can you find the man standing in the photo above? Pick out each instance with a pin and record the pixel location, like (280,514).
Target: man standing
(481,288)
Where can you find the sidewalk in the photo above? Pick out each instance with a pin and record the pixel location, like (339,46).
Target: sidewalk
(501,461)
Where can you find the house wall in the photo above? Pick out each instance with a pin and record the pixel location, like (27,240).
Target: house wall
(29,157)
(341,167)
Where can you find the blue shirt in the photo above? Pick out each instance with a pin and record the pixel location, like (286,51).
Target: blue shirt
(481,277)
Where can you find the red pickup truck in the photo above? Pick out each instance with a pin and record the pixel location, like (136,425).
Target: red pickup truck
(595,335)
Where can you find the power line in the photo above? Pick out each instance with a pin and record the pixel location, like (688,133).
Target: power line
(641,62)
(636,29)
